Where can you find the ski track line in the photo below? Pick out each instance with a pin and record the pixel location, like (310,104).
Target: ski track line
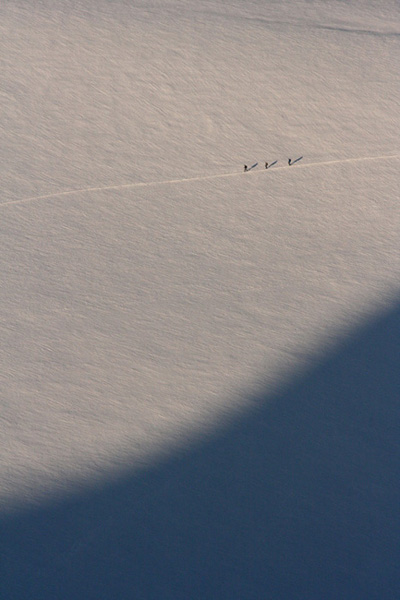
(188,179)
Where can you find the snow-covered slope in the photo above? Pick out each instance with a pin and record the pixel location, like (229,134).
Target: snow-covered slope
(150,288)
(97,93)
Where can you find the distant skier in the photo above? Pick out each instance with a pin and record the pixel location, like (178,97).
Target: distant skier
(289,162)
(245,168)
(266,165)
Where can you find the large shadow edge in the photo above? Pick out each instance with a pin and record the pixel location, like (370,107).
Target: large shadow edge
(298,498)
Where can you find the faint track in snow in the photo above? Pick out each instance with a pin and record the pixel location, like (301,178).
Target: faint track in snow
(343,160)
(188,179)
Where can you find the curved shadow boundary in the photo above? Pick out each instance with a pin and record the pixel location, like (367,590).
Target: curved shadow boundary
(298,499)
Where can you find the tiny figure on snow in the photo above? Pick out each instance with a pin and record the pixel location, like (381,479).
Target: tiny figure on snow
(266,165)
(245,168)
(289,162)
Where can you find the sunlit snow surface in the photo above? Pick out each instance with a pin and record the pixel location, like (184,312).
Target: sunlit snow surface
(150,289)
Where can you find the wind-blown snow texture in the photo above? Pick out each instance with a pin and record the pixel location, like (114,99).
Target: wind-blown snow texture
(199,365)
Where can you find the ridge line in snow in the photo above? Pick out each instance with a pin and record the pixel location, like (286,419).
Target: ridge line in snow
(187,179)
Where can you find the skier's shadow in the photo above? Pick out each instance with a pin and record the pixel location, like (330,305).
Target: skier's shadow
(253,166)
(297,160)
(272,164)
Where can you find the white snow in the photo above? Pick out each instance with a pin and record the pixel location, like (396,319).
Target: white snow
(150,288)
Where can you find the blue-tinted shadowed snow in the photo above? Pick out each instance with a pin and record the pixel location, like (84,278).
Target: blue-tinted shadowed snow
(298,499)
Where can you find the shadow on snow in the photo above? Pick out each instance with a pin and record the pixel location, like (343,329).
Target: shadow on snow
(296,499)
(296,160)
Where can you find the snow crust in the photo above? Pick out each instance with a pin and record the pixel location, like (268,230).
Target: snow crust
(149,287)
(134,314)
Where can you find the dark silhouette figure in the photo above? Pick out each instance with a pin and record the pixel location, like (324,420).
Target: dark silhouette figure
(297,160)
(245,168)
(266,165)
(289,162)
